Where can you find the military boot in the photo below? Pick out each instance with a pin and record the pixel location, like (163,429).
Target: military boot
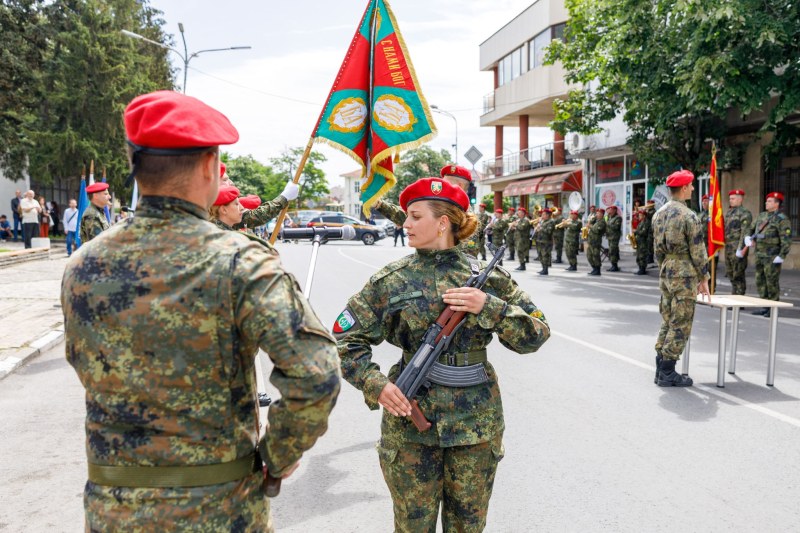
(595,271)
(614,268)
(571,268)
(659,359)
(521,267)
(543,271)
(510,256)
(558,260)
(667,377)
(641,272)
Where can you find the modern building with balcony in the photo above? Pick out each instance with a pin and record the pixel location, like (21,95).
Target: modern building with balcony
(524,90)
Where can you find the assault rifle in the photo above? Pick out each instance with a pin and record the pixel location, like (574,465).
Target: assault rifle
(435,342)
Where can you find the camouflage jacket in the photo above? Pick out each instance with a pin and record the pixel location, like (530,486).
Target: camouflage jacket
(398,304)
(252,236)
(558,233)
(573,231)
(771,234)
(499,229)
(738,220)
(704,218)
(544,233)
(641,233)
(678,242)
(522,228)
(253,218)
(483,222)
(391,211)
(93,223)
(596,231)
(164,314)
(614,228)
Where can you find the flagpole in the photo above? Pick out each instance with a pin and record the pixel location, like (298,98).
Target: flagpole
(300,168)
(710,219)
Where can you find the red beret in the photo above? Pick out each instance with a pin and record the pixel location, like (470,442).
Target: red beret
(169,120)
(680,178)
(612,207)
(482,205)
(96,187)
(498,211)
(433,189)
(251,201)
(222,169)
(547,210)
(520,208)
(705,197)
(226,195)
(574,213)
(736,191)
(601,209)
(778,196)
(457,171)
(511,210)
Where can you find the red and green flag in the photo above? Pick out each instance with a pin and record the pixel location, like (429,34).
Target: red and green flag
(375,108)
(716,224)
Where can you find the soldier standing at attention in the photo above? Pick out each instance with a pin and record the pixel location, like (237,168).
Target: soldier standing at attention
(522,236)
(704,217)
(264,212)
(572,240)
(597,228)
(683,272)
(483,223)
(510,236)
(164,314)
(544,240)
(738,220)
(93,221)
(614,234)
(771,233)
(499,229)
(641,233)
(558,235)
(650,209)
(453,464)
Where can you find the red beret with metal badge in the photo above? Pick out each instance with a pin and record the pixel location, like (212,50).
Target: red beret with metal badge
(433,189)
(778,196)
(740,192)
(457,171)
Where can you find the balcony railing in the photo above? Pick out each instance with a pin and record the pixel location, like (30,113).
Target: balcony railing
(541,156)
(488,103)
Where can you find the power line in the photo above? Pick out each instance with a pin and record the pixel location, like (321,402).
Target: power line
(235,84)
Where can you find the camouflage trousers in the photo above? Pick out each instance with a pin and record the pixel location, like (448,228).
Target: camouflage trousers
(239,506)
(482,246)
(735,269)
(613,251)
(511,244)
(546,253)
(571,249)
(641,257)
(677,313)
(523,248)
(421,477)
(593,254)
(768,278)
(558,245)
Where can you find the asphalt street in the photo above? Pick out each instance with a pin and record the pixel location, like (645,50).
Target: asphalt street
(591,443)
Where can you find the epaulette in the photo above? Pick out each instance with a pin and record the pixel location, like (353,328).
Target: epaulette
(391,267)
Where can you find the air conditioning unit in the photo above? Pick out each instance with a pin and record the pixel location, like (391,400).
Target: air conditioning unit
(576,143)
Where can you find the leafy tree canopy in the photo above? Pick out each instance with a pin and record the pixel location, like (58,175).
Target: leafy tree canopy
(422,162)
(252,177)
(675,68)
(313,183)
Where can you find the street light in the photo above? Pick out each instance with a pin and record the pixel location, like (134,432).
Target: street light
(443,112)
(186,57)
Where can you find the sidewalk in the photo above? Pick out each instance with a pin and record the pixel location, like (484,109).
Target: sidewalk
(30,310)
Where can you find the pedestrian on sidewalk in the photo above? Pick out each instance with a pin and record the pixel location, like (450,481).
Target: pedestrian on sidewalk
(44,219)
(683,262)
(71,225)
(30,217)
(16,213)
(5,228)
(164,316)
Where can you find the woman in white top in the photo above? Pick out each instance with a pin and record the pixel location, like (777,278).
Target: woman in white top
(30,217)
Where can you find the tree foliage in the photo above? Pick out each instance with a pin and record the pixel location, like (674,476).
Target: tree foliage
(676,68)
(421,162)
(313,183)
(83,71)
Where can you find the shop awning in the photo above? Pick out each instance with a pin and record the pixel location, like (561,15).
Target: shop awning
(568,181)
(518,188)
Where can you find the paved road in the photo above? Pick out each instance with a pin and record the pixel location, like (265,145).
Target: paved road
(591,443)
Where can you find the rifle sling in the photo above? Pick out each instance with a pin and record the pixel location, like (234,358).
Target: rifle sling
(457,359)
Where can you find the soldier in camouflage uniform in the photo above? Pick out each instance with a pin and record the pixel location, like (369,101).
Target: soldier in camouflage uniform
(650,209)
(683,269)
(558,235)
(499,228)
(597,228)
(453,464)
(614,234)
(572,240)
(522,236)
(771,234)
(483,223)
(263,213)
(737,221)
(511,216)
(641,233)
(164,314)
(93,221)
(544,240)
(704,217)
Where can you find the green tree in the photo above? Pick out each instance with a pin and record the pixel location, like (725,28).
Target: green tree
(489,201)
(422,162)
(675,69)
(313,183)
(253,177)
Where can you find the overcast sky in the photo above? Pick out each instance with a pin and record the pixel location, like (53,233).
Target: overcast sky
(274,93)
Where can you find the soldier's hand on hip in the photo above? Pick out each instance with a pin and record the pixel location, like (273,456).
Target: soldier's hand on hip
(467,299)
(393,400)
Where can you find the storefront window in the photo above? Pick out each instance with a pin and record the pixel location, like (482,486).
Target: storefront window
(635,169)
(610,170)
(538,44)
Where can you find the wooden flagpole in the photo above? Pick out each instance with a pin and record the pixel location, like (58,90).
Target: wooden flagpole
(297,174)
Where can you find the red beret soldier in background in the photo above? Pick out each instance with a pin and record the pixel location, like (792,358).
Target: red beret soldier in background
(738,220)
(93,221)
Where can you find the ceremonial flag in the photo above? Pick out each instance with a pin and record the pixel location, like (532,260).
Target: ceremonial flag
(375,108)
(83,203)
(716,224)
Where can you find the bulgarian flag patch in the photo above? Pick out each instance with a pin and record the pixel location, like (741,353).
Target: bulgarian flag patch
(344,322)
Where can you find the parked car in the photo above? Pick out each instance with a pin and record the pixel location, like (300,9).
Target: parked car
(387,225)
(366,233)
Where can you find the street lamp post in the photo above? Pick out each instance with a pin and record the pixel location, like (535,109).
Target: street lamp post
(186,57)
(443,112)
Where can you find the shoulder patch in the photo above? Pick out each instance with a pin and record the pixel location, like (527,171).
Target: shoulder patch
(344,322)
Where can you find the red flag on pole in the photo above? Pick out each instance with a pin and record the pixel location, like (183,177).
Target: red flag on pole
(716,224)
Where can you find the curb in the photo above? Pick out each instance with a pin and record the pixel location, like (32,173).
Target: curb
(43,343)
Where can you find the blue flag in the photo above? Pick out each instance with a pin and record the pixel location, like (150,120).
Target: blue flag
(83,203)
